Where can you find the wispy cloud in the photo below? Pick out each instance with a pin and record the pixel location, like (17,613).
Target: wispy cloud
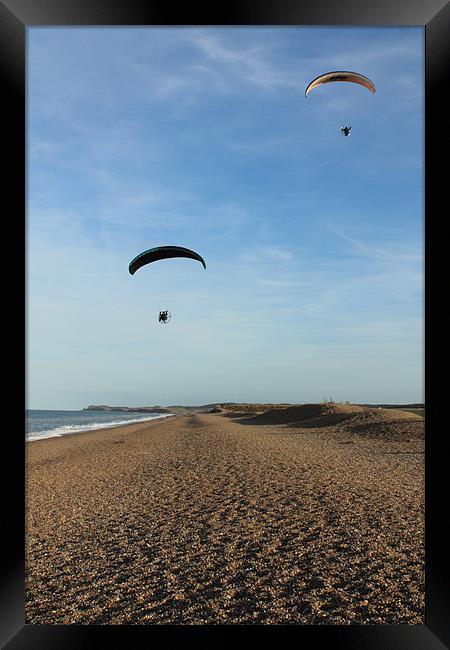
(265,254)
(396,251)
(250,64)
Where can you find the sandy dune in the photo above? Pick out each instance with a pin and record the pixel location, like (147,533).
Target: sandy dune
(308,516)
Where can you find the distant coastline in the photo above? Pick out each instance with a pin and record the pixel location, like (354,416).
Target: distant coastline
(177,410)
(127,409)
(170,410)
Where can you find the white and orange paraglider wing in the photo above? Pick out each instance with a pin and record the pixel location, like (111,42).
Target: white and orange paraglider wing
(341,75)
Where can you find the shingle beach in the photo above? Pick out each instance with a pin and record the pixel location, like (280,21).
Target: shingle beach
(310,514)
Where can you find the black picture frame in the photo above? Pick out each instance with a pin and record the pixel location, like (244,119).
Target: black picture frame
(18,15)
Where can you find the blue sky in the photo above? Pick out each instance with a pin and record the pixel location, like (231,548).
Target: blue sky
(203,138)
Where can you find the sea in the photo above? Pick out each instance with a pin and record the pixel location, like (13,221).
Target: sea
(41,424)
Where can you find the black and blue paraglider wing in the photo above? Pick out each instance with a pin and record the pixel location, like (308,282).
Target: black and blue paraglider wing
(162,253)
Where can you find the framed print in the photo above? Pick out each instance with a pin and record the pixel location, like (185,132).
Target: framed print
(231,267)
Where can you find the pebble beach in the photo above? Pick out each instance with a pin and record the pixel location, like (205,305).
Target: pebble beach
(312,514)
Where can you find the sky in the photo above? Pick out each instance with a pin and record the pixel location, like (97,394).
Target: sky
(202,137)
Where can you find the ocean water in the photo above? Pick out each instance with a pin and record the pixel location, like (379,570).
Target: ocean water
(51,424)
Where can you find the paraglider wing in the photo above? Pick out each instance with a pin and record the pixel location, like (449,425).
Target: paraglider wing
(162,253)
(341,75)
